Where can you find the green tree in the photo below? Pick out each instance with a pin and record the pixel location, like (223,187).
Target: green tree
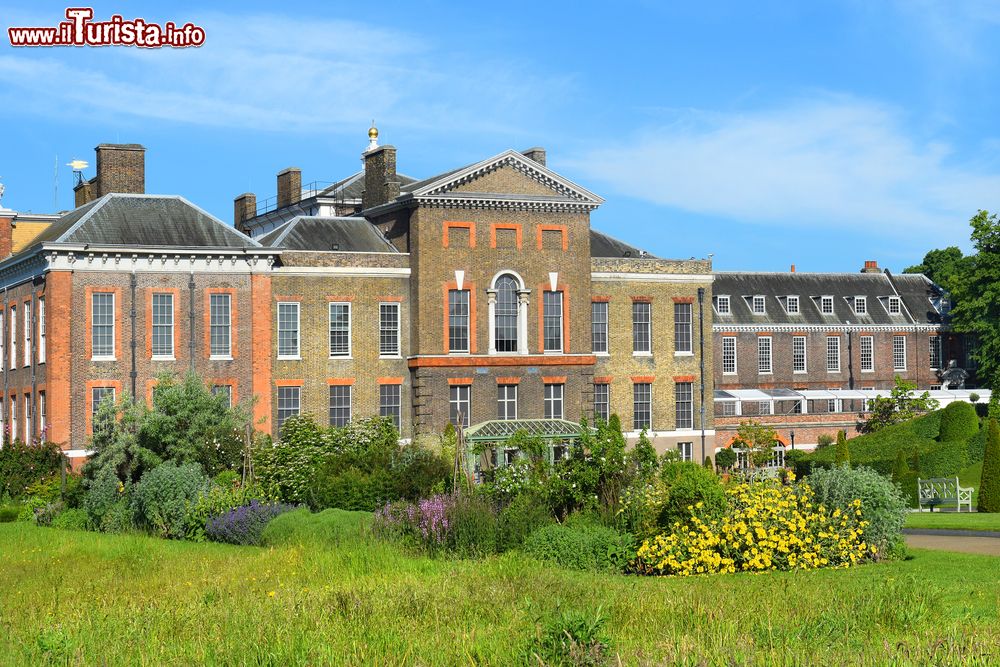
(117,448)
(989,483)
(977,297)
(901,405)
(759,441)
(843,453)
(946,267)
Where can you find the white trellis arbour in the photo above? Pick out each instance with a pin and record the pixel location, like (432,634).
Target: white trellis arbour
(508,296)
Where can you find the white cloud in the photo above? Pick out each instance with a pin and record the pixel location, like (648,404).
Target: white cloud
(267,72)
(834,161)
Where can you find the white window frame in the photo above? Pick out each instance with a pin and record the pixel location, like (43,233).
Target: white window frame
(12,322)
(833,354)
(468,321)
(719,301)
(551,400)
(895,305)
(824,303)
(805,354)
(350,403)
(13,418)
(41,330)
(27,324)
(637,329)
(279,421)
(298,331)
(394,305)
(686,451)
(3,338)
(504,399)
(27,419)
(934,345)
(153,326)
(792,304)
(870,353)
(729,355)
(598,328)
(460,395)
(863,303)
(42,407)
(228,391)
(227,356)
(762,368)
(680,387)
(762,301)
(386,409)
(635,425)
(606,402)
(896,354)
(547,321)
(681,330)
(350,330)
(114,327)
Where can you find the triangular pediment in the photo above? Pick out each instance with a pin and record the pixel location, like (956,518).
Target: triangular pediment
(507,174)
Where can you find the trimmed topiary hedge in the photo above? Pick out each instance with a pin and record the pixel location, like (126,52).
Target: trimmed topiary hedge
(959,422)
(989,485)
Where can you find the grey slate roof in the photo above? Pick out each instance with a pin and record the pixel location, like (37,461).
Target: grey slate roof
(602,245)
(327,233)
(915,290)
(143,220)
(353,186)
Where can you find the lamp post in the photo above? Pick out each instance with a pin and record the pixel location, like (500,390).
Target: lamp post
(792,436)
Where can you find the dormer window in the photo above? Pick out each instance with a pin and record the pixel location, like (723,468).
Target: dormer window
(826,305)
(792,304)
(722,304)
(860,305)
(757,305)
(895,306)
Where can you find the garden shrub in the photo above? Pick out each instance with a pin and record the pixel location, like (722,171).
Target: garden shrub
(22,465)
(71,519)
(471,529)
(943,459)
(842,455)
(989,485)
(824,440)
(419,471)
(161,497)
(244,525)
(29,505)
(45,514)
(351,488)
(569,637)
(581,546)
(8,513)
(959,422)
(883,505)
(108,502)
(525,514)
(725,458)
(768,526)
(796,461)
(216,500)
(424,523)
(688,484)
(330,528)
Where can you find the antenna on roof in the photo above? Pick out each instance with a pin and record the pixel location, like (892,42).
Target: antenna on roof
(78,166)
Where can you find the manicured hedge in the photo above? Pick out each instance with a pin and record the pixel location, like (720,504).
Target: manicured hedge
(959,422)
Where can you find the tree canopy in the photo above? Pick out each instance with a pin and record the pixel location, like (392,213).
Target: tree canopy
(977,297)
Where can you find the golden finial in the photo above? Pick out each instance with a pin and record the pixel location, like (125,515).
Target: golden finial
(373,131)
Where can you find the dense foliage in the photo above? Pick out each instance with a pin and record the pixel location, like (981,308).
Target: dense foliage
(902,404)
(245,524)
(22,465)
(959,422)
(989,486)
(582,545)
(161,498)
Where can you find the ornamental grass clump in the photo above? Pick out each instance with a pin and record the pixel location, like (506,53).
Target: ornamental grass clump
(767,527)
(244,525)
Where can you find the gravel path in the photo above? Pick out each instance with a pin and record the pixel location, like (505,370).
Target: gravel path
(964,543)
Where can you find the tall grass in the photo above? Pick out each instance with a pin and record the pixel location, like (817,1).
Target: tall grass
(322,593)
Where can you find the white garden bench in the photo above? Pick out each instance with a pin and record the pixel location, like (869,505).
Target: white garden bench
(941,490)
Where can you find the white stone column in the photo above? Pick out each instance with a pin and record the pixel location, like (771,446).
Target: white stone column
(522,321)
(491,298)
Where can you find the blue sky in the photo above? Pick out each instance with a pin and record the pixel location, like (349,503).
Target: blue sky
(766,133)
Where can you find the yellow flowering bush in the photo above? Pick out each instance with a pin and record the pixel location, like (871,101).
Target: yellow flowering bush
(767,527)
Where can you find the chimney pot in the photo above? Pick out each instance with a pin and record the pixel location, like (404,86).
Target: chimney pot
(381,183)
(536,153)
(871,266)
(121,168)
(793,268)
(244,208)
(289,186)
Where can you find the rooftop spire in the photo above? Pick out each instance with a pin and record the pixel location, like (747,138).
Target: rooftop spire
(372,137)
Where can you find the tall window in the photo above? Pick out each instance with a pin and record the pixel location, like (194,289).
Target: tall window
(507,401)
(3,339)
(826,305)
(41,331)
(602,400)
(13,337)
(867,353)
(289,401)
(729,355)
(340,329)
(163,325)
(642,327)
(102,325)
(722,304)
(26,317)
(390,403)
(895,305)
(458,320)
(388,329)
(798,354)
(642,406)
(899,353)
(860,305)
(340,405)
(27,418)
(460,402)
(288,330)
(935,350)
(833,354)
(792,305)
(758,305)
(686,451)
(13,418)
(97,396)
(683,399)
(599,327)
(682,327)
(763,354)
(221,326)
(552,321)
(226,391)
(42,409)
(554,401)
(505,313)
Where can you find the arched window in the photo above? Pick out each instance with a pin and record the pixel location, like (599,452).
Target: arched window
(506,328)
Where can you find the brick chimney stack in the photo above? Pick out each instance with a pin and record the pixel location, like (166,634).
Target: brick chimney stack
(289,186)
(381,183)
(871,266)
(536,153)
(244,208)
(120,168)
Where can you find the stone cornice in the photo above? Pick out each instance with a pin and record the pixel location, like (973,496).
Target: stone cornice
(751,328)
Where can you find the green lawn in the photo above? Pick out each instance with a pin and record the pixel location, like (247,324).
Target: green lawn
(337,598)
(954,520)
